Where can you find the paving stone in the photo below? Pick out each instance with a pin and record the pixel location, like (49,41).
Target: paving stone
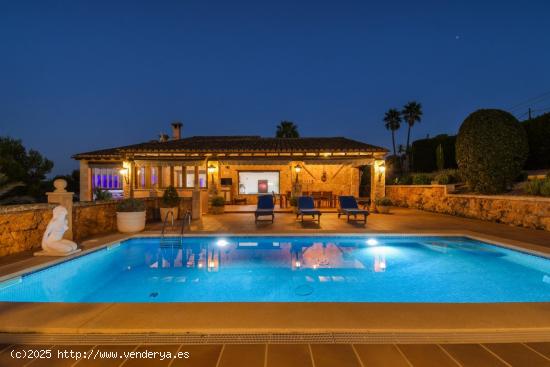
(237,355)
(331,355)
(288,355)
(426,355)
(518,355)
(472,355)
(380,355)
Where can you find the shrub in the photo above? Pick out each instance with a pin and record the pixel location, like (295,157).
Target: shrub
(170,198)
(403,180)
(421,179)
(491,149)
(545,187)
(424,153)
(538,136)
(446,177)
(130,205)
(100,195)
(383,201)
(218,201)
(532,187)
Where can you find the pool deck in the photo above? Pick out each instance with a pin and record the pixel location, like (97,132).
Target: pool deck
(273,323)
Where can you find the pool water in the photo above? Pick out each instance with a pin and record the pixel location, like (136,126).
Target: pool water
(291,269)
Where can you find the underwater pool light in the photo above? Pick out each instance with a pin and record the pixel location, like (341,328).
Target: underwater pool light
(222,243)
(372,242)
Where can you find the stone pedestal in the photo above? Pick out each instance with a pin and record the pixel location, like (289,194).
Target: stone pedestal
(196,205)
(64,198)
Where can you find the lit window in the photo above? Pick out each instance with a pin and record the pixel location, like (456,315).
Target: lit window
(258,182)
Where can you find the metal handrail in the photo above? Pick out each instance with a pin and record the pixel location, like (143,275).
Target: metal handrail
(185,218)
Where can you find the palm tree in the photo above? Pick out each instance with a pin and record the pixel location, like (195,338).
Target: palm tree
(392,119)
(412,113)
(287,129)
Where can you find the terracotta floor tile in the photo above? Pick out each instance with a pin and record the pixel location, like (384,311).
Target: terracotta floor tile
(426,355)
(199,356)
(472,355)
(542,348)
(383,355)
(518,355)
(156,359)
(288,355)
(236,355)
(332,355)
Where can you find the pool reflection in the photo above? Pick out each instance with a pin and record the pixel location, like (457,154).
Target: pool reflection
(210,256)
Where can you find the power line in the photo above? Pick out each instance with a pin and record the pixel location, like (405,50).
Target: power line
(536,99)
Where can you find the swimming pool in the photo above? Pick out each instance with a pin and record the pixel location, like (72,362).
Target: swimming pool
(291,269)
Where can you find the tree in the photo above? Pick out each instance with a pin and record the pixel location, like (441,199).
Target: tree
(412,113)
(26,167)
(287,129)
(392,120)
(491,149)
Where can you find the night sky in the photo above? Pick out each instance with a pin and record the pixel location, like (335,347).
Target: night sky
(82,75)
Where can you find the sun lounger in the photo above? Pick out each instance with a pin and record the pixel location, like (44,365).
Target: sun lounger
(307,207)
(265,207)
(348,206)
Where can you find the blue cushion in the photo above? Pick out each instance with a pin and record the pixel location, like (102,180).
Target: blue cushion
(348,202)
(305,202)
(265,202)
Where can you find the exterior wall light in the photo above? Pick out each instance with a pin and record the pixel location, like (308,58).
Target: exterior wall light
(211,169)
(124,173)
(297,169)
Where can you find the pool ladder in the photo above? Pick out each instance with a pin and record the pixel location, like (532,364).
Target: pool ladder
(174,241)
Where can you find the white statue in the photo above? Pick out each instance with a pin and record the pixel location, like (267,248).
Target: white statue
(53,241)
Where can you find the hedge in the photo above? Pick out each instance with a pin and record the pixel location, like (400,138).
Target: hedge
(538,135)
(424,156)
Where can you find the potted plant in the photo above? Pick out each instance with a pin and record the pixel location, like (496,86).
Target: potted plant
(218,205)
(294,203)
(130,216)
(383,205)
(170,202)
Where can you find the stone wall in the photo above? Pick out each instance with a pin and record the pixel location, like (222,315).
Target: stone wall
(340,179)
(22,227)
(522,211)
(96,218)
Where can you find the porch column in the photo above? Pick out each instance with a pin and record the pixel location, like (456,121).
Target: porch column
(132,175)
(378,182)
(171,175)
(85,181)
(147,172)
(196,206)
(160,185)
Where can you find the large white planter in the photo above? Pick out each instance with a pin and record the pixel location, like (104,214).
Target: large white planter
(128,222)
(165,211)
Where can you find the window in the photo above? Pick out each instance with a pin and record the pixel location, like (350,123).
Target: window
(106,178)
(190,177)
(258,182)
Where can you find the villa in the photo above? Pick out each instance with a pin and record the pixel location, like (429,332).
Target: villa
(235,167)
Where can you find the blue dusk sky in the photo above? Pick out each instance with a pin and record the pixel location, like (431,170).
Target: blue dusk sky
(82,75)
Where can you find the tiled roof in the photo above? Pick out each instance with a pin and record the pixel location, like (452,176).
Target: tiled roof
(236,144)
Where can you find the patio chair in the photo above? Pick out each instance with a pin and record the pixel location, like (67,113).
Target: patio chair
(265,207)
(307,207)
(348,206)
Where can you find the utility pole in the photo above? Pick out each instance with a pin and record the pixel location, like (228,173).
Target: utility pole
(529,113)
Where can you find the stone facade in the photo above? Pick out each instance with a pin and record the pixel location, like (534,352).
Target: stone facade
(96,218)
(340,179)
(521,211)
(22,227)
